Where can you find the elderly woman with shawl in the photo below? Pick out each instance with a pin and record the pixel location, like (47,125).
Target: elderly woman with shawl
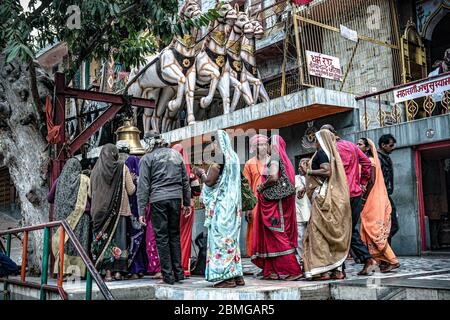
(186,222)
(70,197)
(253,170)
(376,214)
(275,225)
(328,234)
(221,196)
(111,184)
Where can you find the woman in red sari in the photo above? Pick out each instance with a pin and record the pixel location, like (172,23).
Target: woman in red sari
(275,226)
(187,222)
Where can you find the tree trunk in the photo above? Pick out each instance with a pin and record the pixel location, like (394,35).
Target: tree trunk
(23,146)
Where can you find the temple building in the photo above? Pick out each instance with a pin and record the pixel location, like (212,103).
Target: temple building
(361,66)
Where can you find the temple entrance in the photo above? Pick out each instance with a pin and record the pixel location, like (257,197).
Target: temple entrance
(435,194)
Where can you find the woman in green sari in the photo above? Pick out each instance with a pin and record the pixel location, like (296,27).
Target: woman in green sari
(221,195)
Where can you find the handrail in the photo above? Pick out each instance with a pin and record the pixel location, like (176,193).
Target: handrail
(400,86)
(92,273)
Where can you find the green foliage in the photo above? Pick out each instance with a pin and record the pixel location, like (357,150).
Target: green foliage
(130,29)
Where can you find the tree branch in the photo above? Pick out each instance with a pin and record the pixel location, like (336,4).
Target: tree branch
(36,13)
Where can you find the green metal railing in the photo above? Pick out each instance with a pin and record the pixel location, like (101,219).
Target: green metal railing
(91,274)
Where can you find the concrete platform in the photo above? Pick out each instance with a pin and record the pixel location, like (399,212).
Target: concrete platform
(417,279)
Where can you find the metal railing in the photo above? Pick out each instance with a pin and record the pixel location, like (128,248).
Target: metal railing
(44,287)
(382,109)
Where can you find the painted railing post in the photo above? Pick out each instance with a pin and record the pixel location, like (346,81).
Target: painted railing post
(45,255)
(62,236)
(88,286)
(23,270)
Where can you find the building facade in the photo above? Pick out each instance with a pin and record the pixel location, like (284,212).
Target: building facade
(380,47)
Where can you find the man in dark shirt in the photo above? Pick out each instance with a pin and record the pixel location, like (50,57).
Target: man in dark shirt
(163,182)
(386,145)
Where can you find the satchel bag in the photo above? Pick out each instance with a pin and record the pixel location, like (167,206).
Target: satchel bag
(282,188)
(248,198)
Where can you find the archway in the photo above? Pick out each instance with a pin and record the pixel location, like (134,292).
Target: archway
(440,40)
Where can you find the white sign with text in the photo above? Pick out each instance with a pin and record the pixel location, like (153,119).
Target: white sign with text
(324,66)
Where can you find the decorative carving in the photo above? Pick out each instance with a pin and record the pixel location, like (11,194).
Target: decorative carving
(309,138)
(218,37)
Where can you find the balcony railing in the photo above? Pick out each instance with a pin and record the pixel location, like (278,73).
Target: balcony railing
(412,101)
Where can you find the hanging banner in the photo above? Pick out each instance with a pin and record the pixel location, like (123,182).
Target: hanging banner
(324,66)
(423,89)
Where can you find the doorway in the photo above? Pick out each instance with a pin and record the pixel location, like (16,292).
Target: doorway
(434,195)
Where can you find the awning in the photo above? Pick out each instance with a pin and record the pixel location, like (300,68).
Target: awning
(298,107)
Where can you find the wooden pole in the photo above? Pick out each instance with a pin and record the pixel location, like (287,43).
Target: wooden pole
(298,45)
(283,67)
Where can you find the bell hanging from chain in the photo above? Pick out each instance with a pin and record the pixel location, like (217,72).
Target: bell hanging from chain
(130,133)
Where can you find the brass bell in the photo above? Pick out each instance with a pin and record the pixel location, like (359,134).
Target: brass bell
(130,133)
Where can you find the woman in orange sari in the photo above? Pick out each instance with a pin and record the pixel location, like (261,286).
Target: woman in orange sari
(376,214)
(253,171)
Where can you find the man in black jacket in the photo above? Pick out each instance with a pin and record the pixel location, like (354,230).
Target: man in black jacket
(386,145)
(163,182)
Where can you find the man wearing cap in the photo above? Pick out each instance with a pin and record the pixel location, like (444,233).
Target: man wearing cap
(163,182)
(253,171)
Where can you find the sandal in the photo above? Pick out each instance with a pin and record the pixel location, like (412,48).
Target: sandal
(323,277)
(225,284)
(108,276)
(337,275)
(390,267)
(157,276)
(272,276)
(293,278)
(239,281)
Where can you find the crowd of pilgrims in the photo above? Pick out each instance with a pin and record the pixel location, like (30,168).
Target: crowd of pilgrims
(134,216)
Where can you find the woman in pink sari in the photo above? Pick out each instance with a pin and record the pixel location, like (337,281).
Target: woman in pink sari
(275,226)
(153,267)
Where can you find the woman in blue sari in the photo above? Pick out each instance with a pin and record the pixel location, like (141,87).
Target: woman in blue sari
(221,195)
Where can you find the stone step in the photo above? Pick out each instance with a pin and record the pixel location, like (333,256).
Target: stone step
(195,288)
(418,286)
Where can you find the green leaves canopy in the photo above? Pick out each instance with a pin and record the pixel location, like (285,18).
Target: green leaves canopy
(105,25)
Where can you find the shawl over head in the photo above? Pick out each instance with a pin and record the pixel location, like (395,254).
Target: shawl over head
(223,217)
(67,189)
(279,153)
(106,178)
(225,195)
(330,225)
(376,214)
